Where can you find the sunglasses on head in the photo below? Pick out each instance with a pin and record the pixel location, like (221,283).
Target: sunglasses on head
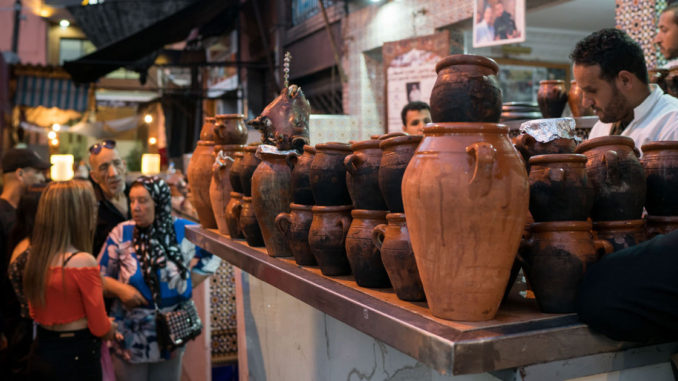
(96,148)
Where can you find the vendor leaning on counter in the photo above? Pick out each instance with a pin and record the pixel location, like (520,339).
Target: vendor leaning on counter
(631,294)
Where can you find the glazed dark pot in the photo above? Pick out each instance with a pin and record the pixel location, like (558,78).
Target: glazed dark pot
(528,146)
(236,169)
(230,129)
(656,225)
(327,238)
(247,167)
(621,234)
(393,241)
(575,100)
(233,210)
(559,188)
(328,174)
(272,195)
(301,180)
(660,162)
(617,176)
(248,224)
(555,259)
(295,226)
(363,255)
(466,90)
(396,153)
(362,175)
(552,98)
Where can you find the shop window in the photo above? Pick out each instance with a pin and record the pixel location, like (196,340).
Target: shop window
(73,48)
(303,10)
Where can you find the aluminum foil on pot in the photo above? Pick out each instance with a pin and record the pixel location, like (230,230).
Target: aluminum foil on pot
(546,130)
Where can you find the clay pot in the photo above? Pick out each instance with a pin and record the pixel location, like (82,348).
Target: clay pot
(528,146)
(363,255)
(575,100)
(248,223)
(621,234)
(328,174)
(387,136)
(559,188)
(656,225)
(393,240)
(555,260)
(248,165)
(207,129)
(617,176)
(466,90)
(660,162)
(236,169)
(230,129)
(220,185)
(362,175)
(327,238)
(233,210)
(295,226)
(301,180)
(272,195)
(396,154)
(552,98)
(466,198)
(199,175)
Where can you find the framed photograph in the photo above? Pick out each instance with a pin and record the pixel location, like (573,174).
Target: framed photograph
(498,22)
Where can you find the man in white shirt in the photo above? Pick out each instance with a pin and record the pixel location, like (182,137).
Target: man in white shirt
(610,69)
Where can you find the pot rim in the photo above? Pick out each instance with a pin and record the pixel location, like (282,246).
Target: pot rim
(239,154)
(250,149)
(390,135)
(395,217)
(556,226)
(306,208)
(206,142)
(558,158)
(236,195)
(467,59)
(309,148)
(365,144)
(604,141)
(662,219)
(229,116)
(331,209)
(551,82)
(247,198)
(620,224)
(333,146)
(209,119)
(401,140)
(465,127)
(369,214)
(655,146)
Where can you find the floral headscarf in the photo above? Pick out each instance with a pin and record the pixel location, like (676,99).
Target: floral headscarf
(157,243)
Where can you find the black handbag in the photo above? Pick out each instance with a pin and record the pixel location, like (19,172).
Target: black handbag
(176,328)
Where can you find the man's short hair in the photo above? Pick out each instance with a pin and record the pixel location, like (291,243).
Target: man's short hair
(413,106)
(614,51)
(673,7)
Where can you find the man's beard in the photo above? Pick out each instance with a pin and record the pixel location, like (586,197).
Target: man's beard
(616,108)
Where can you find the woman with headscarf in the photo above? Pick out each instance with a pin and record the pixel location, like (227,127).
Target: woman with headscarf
(147,261)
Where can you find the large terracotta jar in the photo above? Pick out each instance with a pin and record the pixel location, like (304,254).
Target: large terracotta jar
(199,175)
(301,180)
(272,195)
(559,188)
(466,198)
(230,129)
(327,238)
(362,175)
(656,225)
(236,169)
(660,162)
(247,167)
(575,100)
(466,90)
(248,223)
(220,186)
(555,259)
(621,234)
(396,154)
(393,241)
(328,174)
(617,176)
(233,210)
(363,255)
(295,226)
(552,98)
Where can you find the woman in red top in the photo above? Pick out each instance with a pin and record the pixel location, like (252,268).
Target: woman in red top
(63,286)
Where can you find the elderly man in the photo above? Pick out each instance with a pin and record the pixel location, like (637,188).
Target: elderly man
(108,177)
(414,116)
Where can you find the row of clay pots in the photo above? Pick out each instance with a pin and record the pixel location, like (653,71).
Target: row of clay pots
(552,97)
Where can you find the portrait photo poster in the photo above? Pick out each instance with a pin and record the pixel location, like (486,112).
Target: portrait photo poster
(498,22)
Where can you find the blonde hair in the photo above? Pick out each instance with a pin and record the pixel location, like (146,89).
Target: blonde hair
(65,217)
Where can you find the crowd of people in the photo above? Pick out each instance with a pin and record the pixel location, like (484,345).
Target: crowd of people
(89,263)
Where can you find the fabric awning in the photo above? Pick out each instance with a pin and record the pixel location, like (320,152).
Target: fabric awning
(63,93)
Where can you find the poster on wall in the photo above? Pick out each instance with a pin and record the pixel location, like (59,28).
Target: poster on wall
(410,72)
(498,22)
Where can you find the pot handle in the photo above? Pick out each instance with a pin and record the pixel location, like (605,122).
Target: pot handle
(484,154)
(352,161)
(283,222)
(345,224)
(378,235)
(221,161)
(555,174)
(291,160)
(611,161)
(603,247)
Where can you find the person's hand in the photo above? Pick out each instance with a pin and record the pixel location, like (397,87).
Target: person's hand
(130,296)
(112,333)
